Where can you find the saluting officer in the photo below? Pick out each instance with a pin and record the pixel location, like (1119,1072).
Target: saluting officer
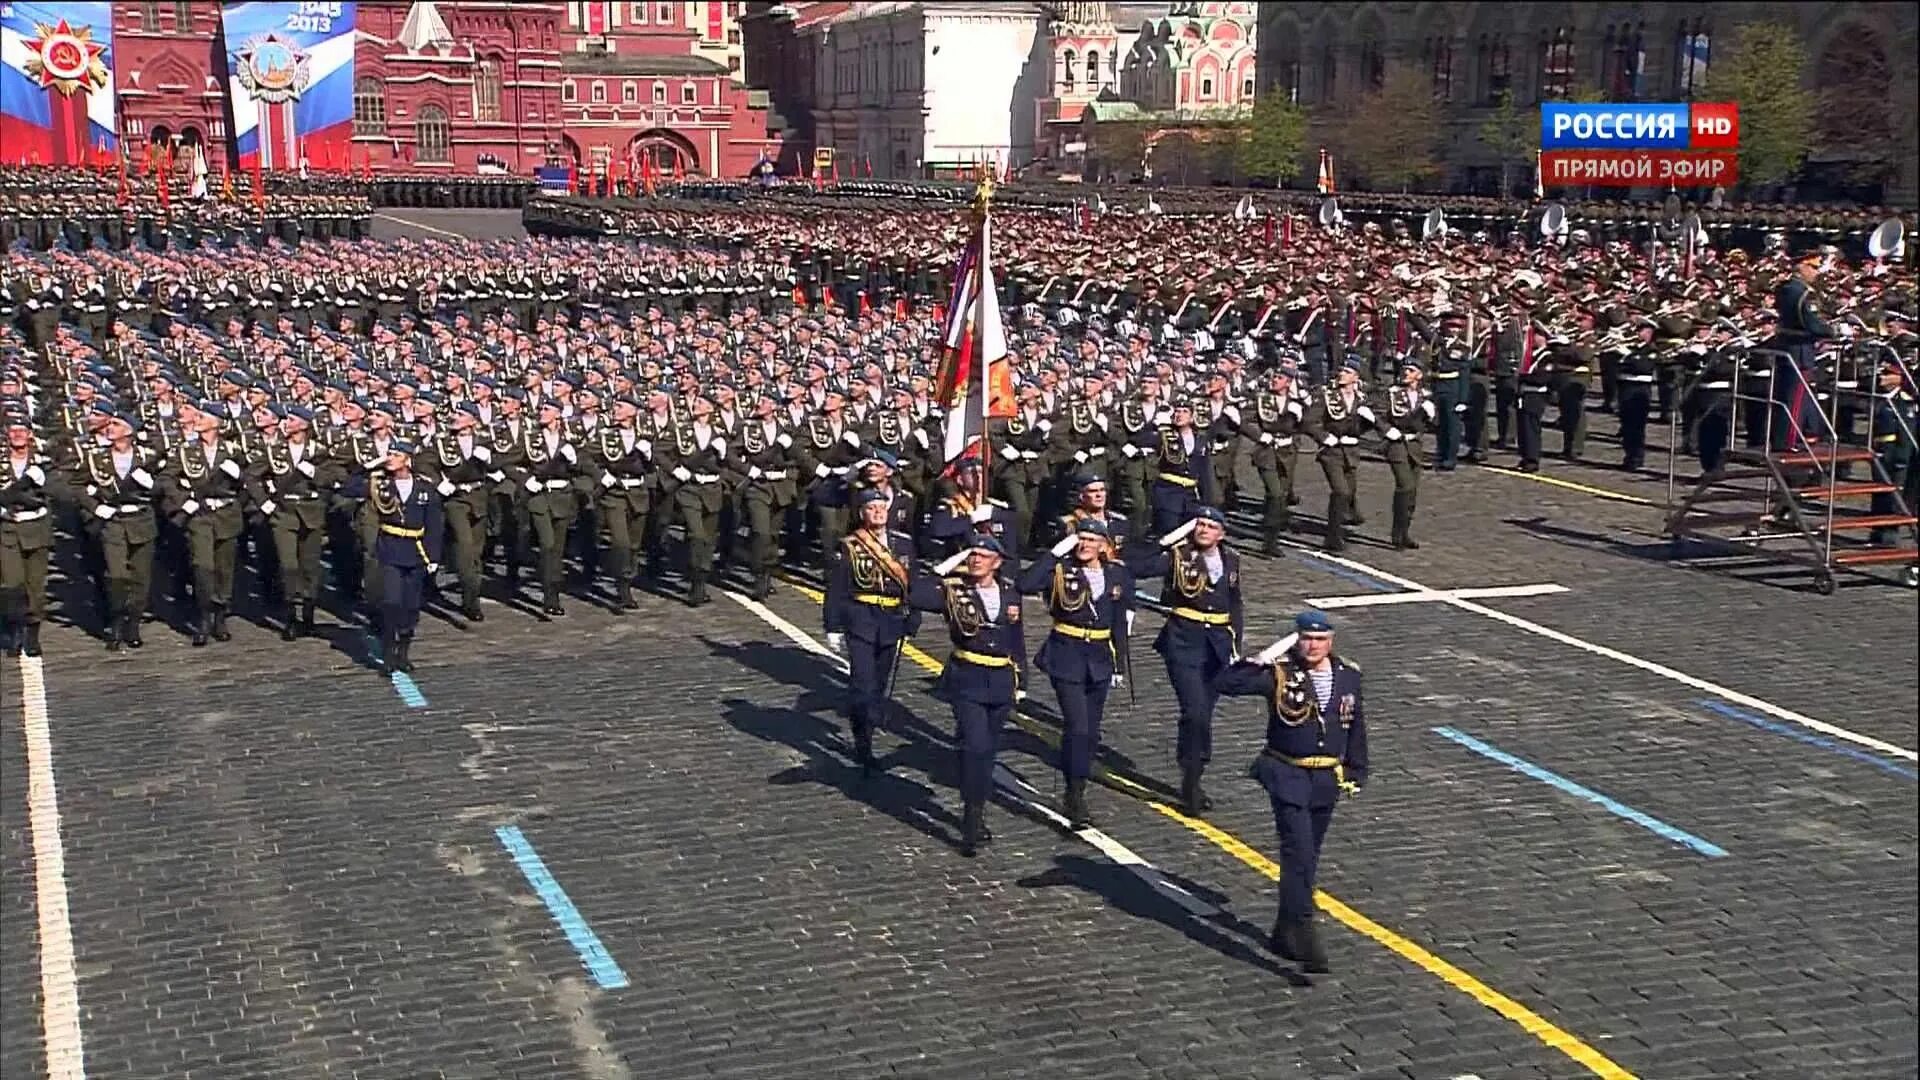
(1316,750)
(411,526)
(866,615)
(26,534)
(982,679)
(958,518)
(1201,635)
(1090,597)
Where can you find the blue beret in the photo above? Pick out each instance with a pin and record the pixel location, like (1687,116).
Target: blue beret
(300,412)
(1087,480)
(868,495)
(207,405)
(1312,621)
(989,545)
(471,409)
(514,393)
(383,407)
(1211,513)
(887,458)
(1352,362)
(400,446)
(1091,526)
(237,378)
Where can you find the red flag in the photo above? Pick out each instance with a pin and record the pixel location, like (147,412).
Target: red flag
(125,194)
(836,168)
(866,308)
(867,160)
(1267,229)
(1286,231)
(259,187)
(166,166)
(146,162)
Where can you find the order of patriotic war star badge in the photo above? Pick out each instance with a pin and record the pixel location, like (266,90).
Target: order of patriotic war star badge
(274,69)
(66,58)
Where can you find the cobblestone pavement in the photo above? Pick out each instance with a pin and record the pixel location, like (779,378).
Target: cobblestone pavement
(278,866)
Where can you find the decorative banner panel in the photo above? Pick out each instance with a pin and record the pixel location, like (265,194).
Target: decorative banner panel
(56,83)
(291,81)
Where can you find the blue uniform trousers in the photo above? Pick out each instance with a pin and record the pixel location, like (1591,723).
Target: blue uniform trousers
(976,732)
(402,592)
(1173,506)
(1193,688)
(1447,396)
(1301,829)
(869,664)
(1082,704)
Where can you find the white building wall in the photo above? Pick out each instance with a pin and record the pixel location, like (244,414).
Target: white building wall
(984,72)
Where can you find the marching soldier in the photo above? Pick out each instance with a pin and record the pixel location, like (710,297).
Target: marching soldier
(1137,417)
(286,481)
(1090,598)
(1339,414)
(1022,457)
(769,466)
(1572,364)
(1533,376)
(1316,751)
(1638,370)
(1222,421)
(201,490)
(548,461)
(412,527)
(1409,414)
(1201,636)
(982,680)
(623,454)
(116,486)
(700,461)
(461,462)
(1452,362)
(833,445)
(1179,455)
(27,486)
(1091,504)
(1277,413)
(866,616)
(958,518)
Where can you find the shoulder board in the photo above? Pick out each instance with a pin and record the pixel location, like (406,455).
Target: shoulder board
(997,502)
(1348,664)
(1116,515)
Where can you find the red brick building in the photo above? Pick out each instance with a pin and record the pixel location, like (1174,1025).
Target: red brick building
(454,84)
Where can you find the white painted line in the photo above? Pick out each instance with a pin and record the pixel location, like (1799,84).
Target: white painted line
(422,227)
(1009,781)
(1432,596)
(1665,672)
(59,981)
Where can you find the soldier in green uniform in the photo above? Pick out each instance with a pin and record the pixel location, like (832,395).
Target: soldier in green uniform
(1404,418)
(288,482)
(623,456)
(27,485)
(115,486)
(1275,421)
(201,490)
(699,464)
(767,461)
(460,460)
(547,469)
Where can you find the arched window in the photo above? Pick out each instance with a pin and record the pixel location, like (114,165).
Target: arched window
(1440,63)
(659,93)
(1373,65)
(1496,68)
(1625,60)
(1066,70)
(1690,60)
(486,90)
(433,141)
(1556,64)
(569,93)
(369,106)
(1093,69)
(1329,72)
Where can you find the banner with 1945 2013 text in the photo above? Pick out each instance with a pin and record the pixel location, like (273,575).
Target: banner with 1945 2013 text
(290,65)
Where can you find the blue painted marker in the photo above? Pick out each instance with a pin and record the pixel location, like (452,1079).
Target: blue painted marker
(600,964)
(403,683)
(1612,806)
(1823,743)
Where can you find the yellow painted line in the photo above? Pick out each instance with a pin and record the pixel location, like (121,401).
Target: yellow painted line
(1570,485)
(1533,1023)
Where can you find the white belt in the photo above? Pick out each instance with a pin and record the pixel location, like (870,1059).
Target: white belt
(474,486)
(1220,445)
(559,485)
(630,483)
(1349,440)
(216,504)
(1636,378)
(1028,455)
(293,498)
(1282,440)
(27,515)
(1848,385)
(1765,373)
(773,474)
(134,507)
(706,478)
(1715,385)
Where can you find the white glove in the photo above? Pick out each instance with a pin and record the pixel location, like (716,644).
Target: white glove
(1130,616)
(496,476)
(229,466)
(104,512)
(567,451)
(785,440)
(645,446)
(681,474)
(1130,450)
(1119,680)
(445,488)
(852,438)
(1329,440)
(1272,653)
(1010,453)
(190,507)
(1065,545)
(607,479)
(1080,456)
(433,568)
(1266,438)
(753,472)
(269,507)
(1045,425)
(1394,434)
(951,563)
(142,477)
(981,513)
(39,476)
(1019,696)
(1462,407)
(481,453)
(306,469)
(1164,416)
(533,484)
(837,642)
(821,471)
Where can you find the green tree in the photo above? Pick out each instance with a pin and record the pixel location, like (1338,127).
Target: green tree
(1763,71)
(1394,131)
(1120,147)
(1274,136)
(1511,133)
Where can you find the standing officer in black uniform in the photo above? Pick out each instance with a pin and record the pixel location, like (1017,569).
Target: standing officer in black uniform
(1410,411)
(1797,411)
(982,679)
(1639,368)
(1202,633)
(866,614)
(412,526)
(1316,751)
(1533,375)
(1090,597)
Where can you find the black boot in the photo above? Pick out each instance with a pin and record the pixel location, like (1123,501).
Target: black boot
(1313,955)
(130,630)
(290,628)
(1403,523)
(220,623)
(9,641)
(389,652)
(1192,797)
(863,751)
(551,606)
(306,618)
(403,653)
(114,623)
(201,625)
(30,640)
(972,824)
(1281,941)
(624,595)
(1077,803)
(697,588)
(1336,525)
(762,585)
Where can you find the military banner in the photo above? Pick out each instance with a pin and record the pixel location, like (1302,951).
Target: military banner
(291,80)
(56,83)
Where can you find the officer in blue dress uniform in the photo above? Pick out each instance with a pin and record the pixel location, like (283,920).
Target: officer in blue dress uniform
(1183,482)
(960,516)
(1316,750)
(1202,633)
(1894,422)
(982,678)
(866,613)
(1797,409)
(1089,594)
(1091,505)
(412,528)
